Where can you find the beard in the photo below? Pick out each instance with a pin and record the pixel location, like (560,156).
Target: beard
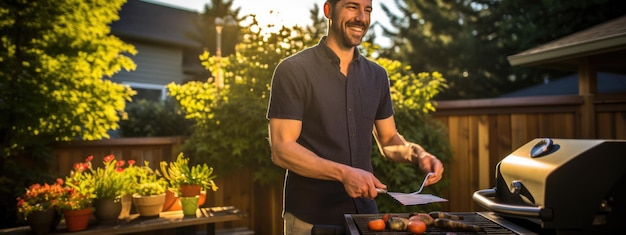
(349,37)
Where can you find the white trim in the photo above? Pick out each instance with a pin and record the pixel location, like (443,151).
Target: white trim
(150,86)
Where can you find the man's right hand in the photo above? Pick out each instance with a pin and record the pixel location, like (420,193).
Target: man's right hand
(361,183)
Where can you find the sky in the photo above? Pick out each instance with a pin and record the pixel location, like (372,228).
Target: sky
(284,12)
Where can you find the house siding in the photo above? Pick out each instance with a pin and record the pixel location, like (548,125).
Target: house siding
(155,65)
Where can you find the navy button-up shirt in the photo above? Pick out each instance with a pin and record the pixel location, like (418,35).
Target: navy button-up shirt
(337,114)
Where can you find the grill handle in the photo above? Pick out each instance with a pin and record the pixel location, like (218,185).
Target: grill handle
(483,197)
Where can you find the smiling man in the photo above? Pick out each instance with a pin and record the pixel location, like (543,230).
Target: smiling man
(325,103)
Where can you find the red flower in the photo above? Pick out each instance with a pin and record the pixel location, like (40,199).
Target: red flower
(109,158)
(131,162)
(88,159)
(120,163)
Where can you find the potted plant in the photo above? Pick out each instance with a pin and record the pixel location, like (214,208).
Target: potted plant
(76,202)
(38,206)
(109,184)
(149,195)
(181,175)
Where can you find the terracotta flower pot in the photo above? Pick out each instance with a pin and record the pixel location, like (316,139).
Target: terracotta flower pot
(190,190)
(202,198)
(77,220)
(149,206)
(172,203)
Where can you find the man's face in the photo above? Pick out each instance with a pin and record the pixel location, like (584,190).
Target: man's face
(350,21)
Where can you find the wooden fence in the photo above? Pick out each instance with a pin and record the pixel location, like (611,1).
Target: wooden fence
(481,133)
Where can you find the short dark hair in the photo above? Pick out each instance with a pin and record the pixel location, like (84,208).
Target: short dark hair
(332,2)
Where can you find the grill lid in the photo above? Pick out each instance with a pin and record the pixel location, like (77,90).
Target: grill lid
(566,183)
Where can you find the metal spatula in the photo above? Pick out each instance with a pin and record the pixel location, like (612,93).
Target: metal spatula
(414,198)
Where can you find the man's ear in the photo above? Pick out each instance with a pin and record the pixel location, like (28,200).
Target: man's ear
(327,10)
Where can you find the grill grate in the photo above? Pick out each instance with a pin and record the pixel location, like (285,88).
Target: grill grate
(360,220)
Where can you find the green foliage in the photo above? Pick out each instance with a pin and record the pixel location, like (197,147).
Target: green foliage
(56,56)
(110,180)
(469,41)
(141,121)
(230,129)
(179,172)
(53,59)
(148,181)
(81,185)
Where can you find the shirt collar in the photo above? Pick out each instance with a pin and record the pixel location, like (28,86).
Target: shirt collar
(332,57)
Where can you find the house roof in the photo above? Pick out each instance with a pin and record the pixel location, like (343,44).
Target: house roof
(607,83)
(603,44)
(153,22)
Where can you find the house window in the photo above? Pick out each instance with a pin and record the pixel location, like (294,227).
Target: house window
(146,91)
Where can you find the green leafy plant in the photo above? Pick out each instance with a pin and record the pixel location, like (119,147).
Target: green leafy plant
(148,182)
(79,186)
(109,181)
(180,172)
(141,121)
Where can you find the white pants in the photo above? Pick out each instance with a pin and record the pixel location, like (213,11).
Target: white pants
(295,226)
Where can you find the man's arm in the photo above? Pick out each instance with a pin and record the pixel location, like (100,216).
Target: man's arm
(394,146)
(288,154)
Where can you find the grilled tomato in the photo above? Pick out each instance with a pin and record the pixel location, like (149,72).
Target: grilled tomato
(417,226)
(376,225)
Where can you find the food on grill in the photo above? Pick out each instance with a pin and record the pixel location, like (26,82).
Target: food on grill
(398,223)
(444,215)
(456,225)
(376,225)
(426,218)
(417,226)
(386,217)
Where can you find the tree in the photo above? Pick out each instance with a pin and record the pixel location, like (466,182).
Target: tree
(230,120)
(469,40)
(54,56)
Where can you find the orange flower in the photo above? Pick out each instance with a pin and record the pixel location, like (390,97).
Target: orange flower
(40,198)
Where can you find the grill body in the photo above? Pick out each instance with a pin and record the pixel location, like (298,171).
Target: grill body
(563,185)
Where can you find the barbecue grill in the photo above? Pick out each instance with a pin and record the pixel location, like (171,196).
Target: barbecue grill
(547,186)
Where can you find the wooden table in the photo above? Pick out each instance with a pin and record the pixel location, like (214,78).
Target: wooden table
(171,221)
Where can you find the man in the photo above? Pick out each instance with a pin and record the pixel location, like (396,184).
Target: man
(324,102)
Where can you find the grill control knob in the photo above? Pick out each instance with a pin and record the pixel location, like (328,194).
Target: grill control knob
(541,148)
